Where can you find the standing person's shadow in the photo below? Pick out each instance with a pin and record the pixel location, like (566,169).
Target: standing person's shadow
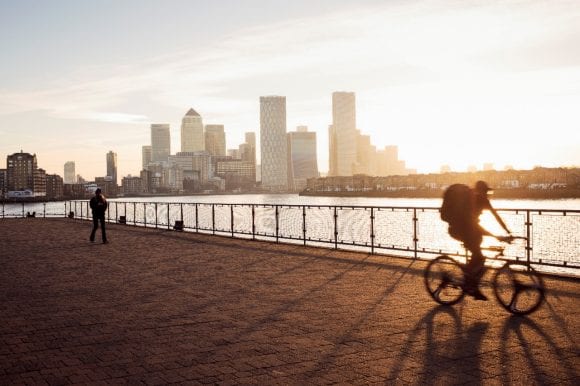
(450,351)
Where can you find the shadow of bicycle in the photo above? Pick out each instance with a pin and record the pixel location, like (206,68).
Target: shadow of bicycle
(445,348)
(539,355)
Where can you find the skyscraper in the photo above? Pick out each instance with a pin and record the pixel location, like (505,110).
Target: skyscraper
(69,173)
(145,157)
(247,153)
(160,142)
(192,138)
(215,140)
(112,166)
(248,148)
(302,157)
(365,157)
(273,143)
(389,163)
(343,134)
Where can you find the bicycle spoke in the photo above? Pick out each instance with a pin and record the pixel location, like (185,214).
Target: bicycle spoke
(440,287)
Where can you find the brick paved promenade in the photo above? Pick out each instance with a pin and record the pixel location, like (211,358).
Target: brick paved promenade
(160,307)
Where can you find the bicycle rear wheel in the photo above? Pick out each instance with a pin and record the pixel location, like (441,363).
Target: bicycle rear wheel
(518,288)
(444,280)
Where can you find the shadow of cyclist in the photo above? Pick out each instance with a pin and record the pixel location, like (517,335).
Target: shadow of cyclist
(450,350)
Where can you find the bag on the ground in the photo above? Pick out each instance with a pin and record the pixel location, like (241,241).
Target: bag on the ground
(456,207)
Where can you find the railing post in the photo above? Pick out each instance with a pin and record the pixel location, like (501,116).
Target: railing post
(528,237)
(134,214)
(335,228)
(232,218)
(181,211)
(145,214)
(372,231)
(168,216)
(415,239)
(253,223)
(116,211)
(196,218)
(155,215)
(304,223)
(277,221)
(82,204)
(44,209)
(213,218)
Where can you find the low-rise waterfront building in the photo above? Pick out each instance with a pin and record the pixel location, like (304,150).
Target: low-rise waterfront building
(54,187)
(237,174)
(75,191)
(107,185)
(131,185)
(2,182)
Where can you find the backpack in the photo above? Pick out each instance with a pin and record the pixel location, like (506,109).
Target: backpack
(457,202)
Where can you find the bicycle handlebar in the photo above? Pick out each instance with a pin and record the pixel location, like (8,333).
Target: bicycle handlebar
(500,248)
(510,238)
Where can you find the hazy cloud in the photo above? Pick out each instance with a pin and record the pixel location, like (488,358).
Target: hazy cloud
(418,68)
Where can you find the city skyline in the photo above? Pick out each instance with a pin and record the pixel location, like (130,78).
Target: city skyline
(75,90)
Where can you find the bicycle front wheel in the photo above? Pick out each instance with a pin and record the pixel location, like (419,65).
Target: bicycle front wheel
(444,280)
(518,288)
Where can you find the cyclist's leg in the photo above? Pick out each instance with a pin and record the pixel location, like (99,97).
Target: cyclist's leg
(475,267)
(466,234)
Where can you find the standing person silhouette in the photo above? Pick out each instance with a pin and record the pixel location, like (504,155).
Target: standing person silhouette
(98,205)
(471,234)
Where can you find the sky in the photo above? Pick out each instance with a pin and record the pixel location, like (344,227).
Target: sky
(449,82)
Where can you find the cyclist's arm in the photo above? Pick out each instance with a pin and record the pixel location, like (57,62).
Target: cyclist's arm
(499,220)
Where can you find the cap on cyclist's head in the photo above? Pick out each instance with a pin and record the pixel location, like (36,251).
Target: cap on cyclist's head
(482,187)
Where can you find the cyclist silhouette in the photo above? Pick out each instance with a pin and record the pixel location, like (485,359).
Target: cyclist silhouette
(471,234)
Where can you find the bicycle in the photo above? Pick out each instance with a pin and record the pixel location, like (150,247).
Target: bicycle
(517,286)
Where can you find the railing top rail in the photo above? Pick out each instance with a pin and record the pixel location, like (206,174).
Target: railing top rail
(265,205)
(427,208)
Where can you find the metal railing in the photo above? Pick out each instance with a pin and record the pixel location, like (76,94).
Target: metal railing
(553,236)
(32,209)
